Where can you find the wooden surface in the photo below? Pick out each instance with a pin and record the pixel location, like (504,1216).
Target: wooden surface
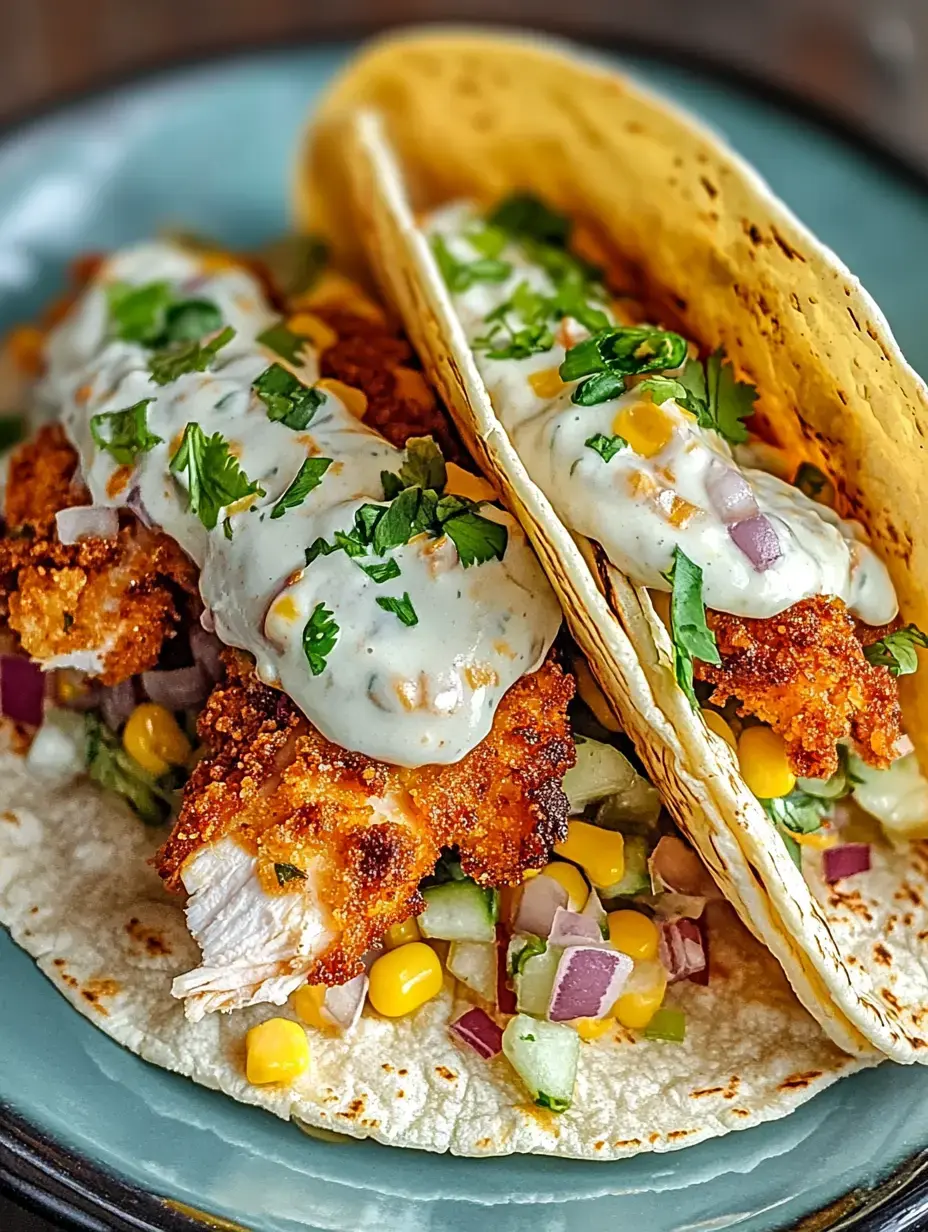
(863,59)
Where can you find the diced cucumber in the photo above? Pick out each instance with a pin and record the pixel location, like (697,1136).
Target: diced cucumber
(534,979)
(637,879)
(634,811)
(600,770)
(459,911)
(544,1055)
(474,964)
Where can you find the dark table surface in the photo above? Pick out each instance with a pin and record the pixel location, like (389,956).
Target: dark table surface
(862,61)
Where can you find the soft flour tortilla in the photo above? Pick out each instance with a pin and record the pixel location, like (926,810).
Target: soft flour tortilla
(472,115)
(77,893)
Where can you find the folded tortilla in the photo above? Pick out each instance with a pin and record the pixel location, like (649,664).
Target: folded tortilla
(426,118)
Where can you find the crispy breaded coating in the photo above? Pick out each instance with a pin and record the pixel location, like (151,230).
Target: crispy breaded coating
(120,598)
(291,796)
(805,674)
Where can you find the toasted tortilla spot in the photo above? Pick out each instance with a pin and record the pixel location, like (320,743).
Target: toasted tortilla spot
(444,1072)
(796,1082)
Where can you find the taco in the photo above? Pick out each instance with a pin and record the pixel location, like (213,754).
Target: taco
(270,639)
(708,430)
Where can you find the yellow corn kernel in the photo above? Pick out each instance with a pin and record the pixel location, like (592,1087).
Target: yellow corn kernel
(680,511)
(71,686)
(333,290)
(215,262)
(412,386)
(820,840)
(152,736)
(401,934)
(645,426)
(636,1009)
(26,344)
(592,694)
(308,325)
(570,877)
(355,400)
(473,487)
(762,758)
(530,873)
(276,1051)
(307,1005)
(600,853)
(717,724)
(592,1028)
(634,934)
(405,978)
(546,383)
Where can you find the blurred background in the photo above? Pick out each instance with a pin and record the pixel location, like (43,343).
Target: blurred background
(863,60)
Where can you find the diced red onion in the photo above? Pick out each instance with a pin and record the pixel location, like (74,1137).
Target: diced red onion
(117,702)
(206,649)
(478,1030)
(682,950)
(572,928)
(343,1002)
(22,690)
(730,493)
(757,540)
(540,899)
(87,522)
(587,982)
(505,997)
(845,861)
(180,689)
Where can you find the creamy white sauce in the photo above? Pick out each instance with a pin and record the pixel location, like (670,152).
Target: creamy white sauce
(626,504)
(407,695)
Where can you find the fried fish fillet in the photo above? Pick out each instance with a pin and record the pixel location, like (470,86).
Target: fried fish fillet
(298,855)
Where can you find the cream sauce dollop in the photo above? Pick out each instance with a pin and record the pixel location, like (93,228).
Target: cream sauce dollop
(407,695)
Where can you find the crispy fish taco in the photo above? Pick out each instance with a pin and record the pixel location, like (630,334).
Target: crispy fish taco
(293,745)
(719,452)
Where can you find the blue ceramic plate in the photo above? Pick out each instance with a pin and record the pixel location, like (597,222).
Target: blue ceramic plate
(210,149)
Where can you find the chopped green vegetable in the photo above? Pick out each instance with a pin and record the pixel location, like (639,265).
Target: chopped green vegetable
(524,215)
(668,1025)
(606,446)
(544,1055)
(189,320)
(477,539)
(401,608)
(423,465)
(283,342)
(320,634)
(459,910)
(662,388)
(799,811)
(383,572)
(896,651)
(319,547)
(615,353)
(288,872)
(716,398)
(181,357)
(488,240)
(111,766)
(139,313)
(309,476)
(287,399)
(534,337)
(294,262)
(692,637)
(128,432)
(461,275)
(533,946)
(214,477)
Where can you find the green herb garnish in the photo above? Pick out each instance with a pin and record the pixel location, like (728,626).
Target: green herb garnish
(461,275)
(319,548)
(383,571)
(214,477)
(111,766)
(606,446)
(477,539)
(188,320)
(309,476)
(181,357)
(797,813)
(287,399)
(668,1025)
(423,465)
(526,216)
(149,314)
(288,872)
(401,608)
(294,262)
(692,637)
(717,399)
(606,359)
(896,651)
(556,1103)
(320,634)
(283,342)
(128,432)
(502,341)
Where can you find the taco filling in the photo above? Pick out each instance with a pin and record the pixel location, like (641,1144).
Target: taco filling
(275,612)
(785,623)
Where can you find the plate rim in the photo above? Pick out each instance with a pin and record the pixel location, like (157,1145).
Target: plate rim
(61,1184)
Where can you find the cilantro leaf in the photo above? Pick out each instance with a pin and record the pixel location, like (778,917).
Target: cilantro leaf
(401,608)
(180,357)
(283,342)
(111,766)
(214,477)
(287,399)
(524,215)
(395,525)
(138,313)
(728,401)
(661,388)
(799,811)
(319,547)
(309,476)
(897,650)
(692,637)
(128,432)
(461,275)
(477,539)
(606,446)
(381,572)
(320,634)
(188,320)
(288,872)
(423,465)
(615,353)
(488,240)
(350,542)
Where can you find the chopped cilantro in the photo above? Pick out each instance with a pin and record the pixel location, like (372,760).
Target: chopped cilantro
(283,342)
(477,539)
(139,313)
(799,811)
(288,872)
(188,320)
(526,216)
(214,477)
(111,766)
(461,275)
(614,353)
(533,946)
(556,1103)
(606,446)
(309,476)
(287,399)
(350,542)
(382,571)
(692,637)
(319,548)
(488,240)
(320,634)
(401,608)
(128,432)
(502,341)
(897,650)
(294,262)
(661,388)
(423,465)
(181,357)
(716,398)
(12,430)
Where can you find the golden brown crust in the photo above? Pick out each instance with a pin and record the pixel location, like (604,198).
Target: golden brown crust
(804,673)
